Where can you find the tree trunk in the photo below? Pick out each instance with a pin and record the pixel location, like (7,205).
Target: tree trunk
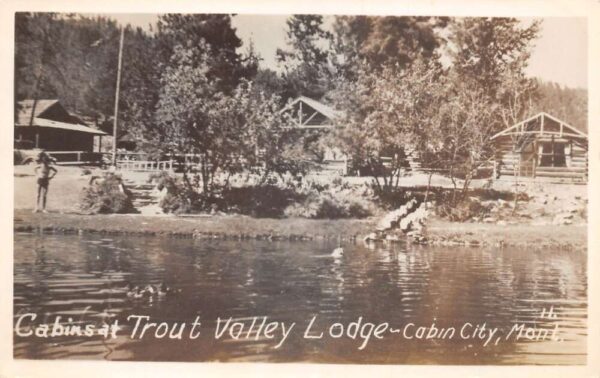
(204,173)
(375,178)
(34,94)
(428,186)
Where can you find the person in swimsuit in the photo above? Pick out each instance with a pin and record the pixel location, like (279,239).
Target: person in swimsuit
(44,172)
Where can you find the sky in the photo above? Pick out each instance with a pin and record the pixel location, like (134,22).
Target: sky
(559,54)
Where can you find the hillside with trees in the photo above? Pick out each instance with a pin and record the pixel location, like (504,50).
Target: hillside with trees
(568,104)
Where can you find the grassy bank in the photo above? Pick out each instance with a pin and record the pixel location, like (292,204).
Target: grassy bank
(439,232)
(573,237)
(221,226)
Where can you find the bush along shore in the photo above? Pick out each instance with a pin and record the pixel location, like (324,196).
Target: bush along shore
(300,210)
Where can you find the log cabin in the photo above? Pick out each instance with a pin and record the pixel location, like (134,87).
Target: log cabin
(541,146)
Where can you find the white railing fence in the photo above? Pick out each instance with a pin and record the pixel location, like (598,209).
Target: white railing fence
(145,165)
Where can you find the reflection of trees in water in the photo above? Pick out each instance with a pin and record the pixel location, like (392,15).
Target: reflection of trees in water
(117,254)
(292,281)
(499,286)
(540,278)
(33,267)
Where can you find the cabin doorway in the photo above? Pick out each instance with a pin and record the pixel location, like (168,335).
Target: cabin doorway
(553,154)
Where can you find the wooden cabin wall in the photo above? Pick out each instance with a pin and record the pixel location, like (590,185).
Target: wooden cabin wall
(576,165)
(509,159)
(57,139)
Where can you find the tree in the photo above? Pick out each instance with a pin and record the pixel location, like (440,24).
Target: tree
(466,121)
(214,33)
(306,67)
(380,41)
(387,113)
(484,90)
(446,115)
(229,133)
(568,104)
(490,55)
(269,83)
(140,83)
(74,58)
(37,42)
(264,80)
(488,86)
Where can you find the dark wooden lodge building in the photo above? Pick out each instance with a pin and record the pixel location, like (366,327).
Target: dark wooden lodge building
(52,128)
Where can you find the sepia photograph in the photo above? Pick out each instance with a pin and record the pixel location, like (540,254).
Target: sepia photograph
(300,188)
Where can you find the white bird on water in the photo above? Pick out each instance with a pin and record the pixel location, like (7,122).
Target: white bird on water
(338,252)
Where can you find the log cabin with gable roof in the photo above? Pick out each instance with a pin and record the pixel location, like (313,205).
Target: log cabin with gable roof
(542,146)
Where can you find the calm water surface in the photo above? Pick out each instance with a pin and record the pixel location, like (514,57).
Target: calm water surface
(85,278)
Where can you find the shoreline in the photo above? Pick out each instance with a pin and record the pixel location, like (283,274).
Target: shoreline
(524,235)
(237,227)
(221,227)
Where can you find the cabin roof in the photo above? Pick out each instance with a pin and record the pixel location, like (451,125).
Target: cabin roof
(127,137)
(43,117)
(326,110)
(315,114)
(542,124)
(26,106)
(42,122)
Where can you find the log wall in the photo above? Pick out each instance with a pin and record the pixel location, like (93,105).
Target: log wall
(508,159)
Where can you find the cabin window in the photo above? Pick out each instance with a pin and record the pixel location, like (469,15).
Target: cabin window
(553,154)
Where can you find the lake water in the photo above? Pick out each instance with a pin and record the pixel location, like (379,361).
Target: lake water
(85,277)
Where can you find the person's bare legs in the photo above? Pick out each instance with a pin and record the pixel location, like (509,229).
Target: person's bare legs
(37,200)
(44,194)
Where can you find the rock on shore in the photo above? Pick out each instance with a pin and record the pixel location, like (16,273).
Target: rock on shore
(409,219)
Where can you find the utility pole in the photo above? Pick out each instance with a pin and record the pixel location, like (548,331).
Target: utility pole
(114,155)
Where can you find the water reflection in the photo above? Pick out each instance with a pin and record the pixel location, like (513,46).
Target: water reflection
(86,279)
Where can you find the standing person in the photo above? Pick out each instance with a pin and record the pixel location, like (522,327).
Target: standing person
(43,171)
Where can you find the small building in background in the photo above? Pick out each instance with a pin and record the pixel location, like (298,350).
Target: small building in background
(315,118)
(127,142)
(542,146)
(50,127)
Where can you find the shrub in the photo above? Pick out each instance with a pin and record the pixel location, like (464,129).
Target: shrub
(179,198)
(180,202)
(276,199)
(268,201)
(105,196)
(393,199)
(462,210)
(327,206)
(492,194)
